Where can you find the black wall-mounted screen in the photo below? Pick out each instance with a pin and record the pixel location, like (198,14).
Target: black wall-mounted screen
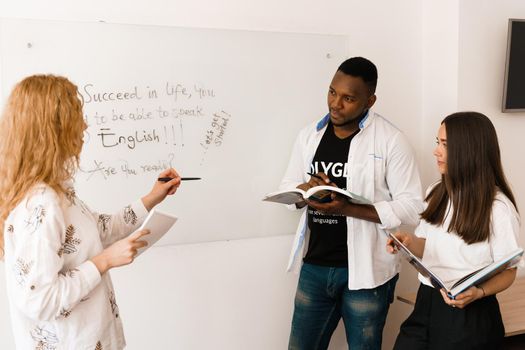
(514,87)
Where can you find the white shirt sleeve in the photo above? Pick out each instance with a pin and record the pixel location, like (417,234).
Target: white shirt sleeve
(403,181)
(40,289)
(504,228)
(117,226)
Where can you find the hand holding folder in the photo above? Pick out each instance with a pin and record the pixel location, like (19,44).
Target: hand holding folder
(475,278)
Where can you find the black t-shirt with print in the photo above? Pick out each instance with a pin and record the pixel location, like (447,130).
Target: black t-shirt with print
(328,233)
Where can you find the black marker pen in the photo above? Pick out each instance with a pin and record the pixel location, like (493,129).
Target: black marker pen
(166,179)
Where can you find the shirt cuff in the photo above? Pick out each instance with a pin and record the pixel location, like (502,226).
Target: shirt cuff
(140,210)
(90,273)
(388,219)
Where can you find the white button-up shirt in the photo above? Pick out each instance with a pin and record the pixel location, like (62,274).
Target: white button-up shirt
(448,256)
(382,169)
(57,297)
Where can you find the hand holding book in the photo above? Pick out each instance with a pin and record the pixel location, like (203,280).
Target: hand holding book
(475,278)
(464,298)
(415,244)
(318,193)
(325,197)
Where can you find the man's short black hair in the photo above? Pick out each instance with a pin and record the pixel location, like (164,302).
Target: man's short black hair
(362,68)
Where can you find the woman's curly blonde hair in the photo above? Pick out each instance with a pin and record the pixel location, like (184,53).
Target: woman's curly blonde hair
(41,136)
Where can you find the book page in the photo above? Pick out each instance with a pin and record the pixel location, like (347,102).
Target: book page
(158,223)
(321,193)
(285,197)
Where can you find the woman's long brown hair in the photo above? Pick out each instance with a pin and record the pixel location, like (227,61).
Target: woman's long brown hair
(474,175)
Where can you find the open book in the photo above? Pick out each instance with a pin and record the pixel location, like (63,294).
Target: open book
(472,279)
(318,193)
(158,223)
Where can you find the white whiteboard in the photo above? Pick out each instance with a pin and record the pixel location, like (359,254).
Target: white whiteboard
(223,105)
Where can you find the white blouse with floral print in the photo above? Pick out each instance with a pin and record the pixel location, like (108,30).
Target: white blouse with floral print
(57,297)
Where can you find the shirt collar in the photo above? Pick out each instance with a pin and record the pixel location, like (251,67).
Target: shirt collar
(323,122)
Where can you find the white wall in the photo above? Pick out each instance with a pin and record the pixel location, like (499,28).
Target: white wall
(440,77)
(433,57)
(483,45)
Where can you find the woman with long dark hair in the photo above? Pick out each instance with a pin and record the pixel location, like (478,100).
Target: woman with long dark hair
(470,220)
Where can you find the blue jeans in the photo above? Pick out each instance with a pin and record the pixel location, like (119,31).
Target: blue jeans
(321,300)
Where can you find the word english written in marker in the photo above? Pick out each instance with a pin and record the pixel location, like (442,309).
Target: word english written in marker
(111,139)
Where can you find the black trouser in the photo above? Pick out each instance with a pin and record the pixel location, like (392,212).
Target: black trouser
(434,325)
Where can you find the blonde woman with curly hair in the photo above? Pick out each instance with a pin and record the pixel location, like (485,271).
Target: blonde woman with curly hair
(57,252)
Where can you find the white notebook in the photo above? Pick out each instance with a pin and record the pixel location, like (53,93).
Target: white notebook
(159,224)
